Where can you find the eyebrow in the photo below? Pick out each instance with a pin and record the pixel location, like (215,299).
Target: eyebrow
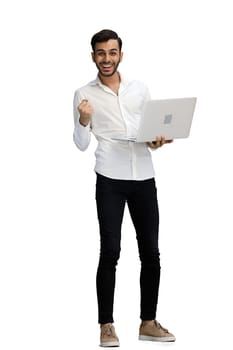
(102,50)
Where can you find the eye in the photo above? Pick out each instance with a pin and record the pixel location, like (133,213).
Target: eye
(101,54)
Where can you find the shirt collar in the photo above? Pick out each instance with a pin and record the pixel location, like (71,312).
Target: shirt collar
(124,82)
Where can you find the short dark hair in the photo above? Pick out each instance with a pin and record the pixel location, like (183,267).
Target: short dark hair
(105,35)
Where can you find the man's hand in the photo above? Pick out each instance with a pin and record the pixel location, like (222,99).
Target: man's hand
(85,111)
(159,142)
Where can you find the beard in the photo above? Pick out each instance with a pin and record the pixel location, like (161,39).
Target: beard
(107,74)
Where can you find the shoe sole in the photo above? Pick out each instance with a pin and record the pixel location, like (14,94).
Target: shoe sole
(112,344)
(159,339)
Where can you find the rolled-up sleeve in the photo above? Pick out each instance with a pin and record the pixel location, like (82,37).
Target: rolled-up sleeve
(81,134)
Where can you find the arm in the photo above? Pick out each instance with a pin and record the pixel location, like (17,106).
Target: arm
(82,118)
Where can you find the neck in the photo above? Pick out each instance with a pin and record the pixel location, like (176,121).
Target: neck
(113,80)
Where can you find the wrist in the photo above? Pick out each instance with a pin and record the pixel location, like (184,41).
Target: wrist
(83,123)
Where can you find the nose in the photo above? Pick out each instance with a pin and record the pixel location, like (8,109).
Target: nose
(107,57)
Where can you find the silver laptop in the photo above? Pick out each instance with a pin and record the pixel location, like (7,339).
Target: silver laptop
(171,118)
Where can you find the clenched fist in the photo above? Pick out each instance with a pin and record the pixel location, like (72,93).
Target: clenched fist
(85,111)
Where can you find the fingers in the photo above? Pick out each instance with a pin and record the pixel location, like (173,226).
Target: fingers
(85,111)
(159,142)
(84,102)
(83,105)
(154,144)
(85,108)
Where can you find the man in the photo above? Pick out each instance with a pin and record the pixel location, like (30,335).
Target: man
(109,106)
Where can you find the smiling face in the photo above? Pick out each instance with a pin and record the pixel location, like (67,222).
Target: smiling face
(107,57)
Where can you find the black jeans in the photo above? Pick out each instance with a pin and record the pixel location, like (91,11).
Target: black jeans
(141,197)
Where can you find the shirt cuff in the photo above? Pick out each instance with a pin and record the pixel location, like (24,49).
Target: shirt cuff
(82,135)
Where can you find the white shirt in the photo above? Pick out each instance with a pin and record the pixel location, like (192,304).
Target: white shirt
(115,115)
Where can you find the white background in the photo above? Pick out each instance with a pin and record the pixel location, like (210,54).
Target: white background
(49,234)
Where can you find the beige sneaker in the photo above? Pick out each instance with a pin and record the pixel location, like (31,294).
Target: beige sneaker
(153,331)
(108,337)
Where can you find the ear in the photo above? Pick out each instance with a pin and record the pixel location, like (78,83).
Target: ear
(93,56)
(121,56)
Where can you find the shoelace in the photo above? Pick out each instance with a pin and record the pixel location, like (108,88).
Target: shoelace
(108,330)
(158,325)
